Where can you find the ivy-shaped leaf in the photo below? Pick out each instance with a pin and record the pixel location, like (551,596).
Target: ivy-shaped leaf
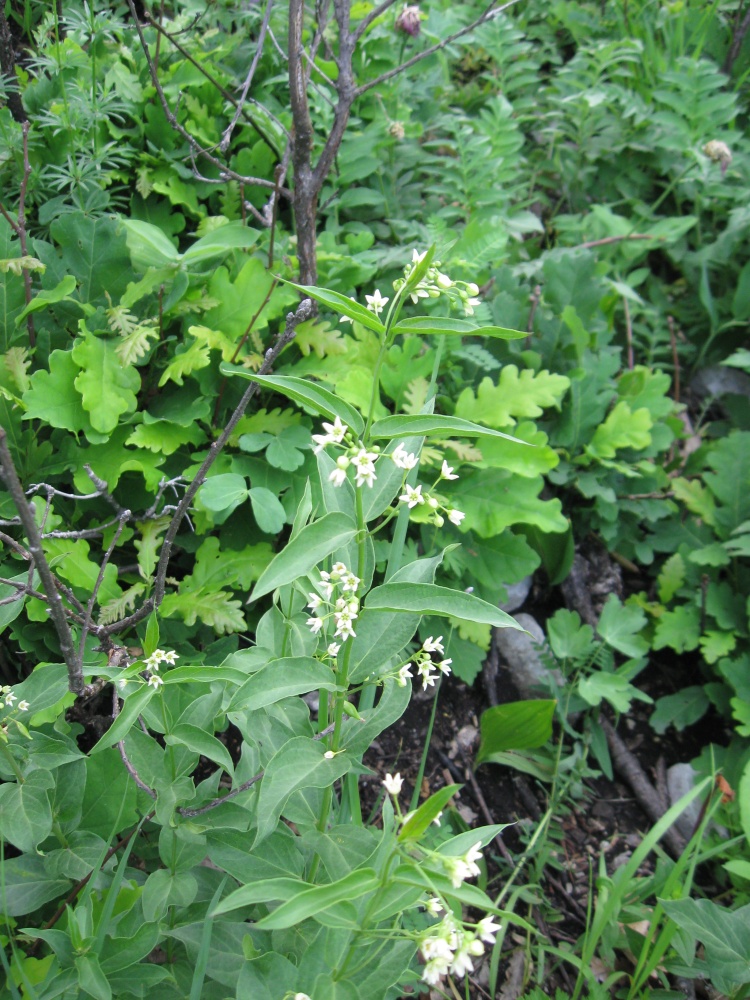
(524,394)
(108,390)
(678,629)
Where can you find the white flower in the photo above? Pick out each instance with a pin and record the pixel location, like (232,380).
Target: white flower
(337,571)
(403,673)
(376,303)
(444,666)
(170,657)
(364,462)
(393,783)
(431,645)
(437,819)
(334,435)
(436,946)
(349,582)
(333,649)
(416,257)
(315,601)
(23,706)
(9,699)
(433,906)
(344,627)
(435,969)
(446,472)
(425,672)
(152,663)
(315,624)
(402,458)
(413,496)
(470,305)
(456,516)
(342,319)
(487,929)
(473,854)
(338,476)
(462,963)
(155,681)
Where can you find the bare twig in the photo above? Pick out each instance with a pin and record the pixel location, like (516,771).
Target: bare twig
(738,38)
(103,489)
(374,14)
(224,171)
(628,768)
(628,332)
(492,11)
(227,135)
(606,240)
(172,36)
(57,611)
(124,518)
(304,311)
(675,357)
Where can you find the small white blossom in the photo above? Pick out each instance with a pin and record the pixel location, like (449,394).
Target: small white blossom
(364,463)
(446,471)
(170,657)
(376,303)
(487,929)
(433,906)
(23,706)
(431,645)
(338,476)
(462,963)
(435,969)
(393,783)
(473,854)
(402,458)
(342,319)
(470,305)
(155,681)
(153,661)
(315,601)
(315,624)
(122,684)
(403,673)
(9,699)
(437,819)
(444,666)
(413,496)
(333,649)
(456,516)
(425,672)
(349,582)
(436,946)
(416,257)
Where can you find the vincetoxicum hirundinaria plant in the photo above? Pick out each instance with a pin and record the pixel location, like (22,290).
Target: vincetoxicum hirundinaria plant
(263,878)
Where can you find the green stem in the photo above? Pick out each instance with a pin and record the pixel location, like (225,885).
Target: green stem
(13,763)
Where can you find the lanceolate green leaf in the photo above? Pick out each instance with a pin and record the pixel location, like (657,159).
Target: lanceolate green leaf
(282,678)
(132,708)
(341,304)
(201,742)
(60,293)
(428,424)
(314,542)
(234,236)
(427,813)
(429,599)
(300,763)
(518,725)
(310,902)
(306,393)
(425,325)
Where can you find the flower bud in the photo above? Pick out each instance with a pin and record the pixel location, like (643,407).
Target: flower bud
(409,20)
(396,131)
(343,462)
(472,288)
(718,152)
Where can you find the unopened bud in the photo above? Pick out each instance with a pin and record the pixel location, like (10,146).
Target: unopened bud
(409,20)
(718,152)
(396,130)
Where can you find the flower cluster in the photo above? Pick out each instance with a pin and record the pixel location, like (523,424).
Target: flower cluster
(450,947)
(160,656)
(413,495)
(9,699)
(435,283)
(427,669)
(344,609)
(355,454)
